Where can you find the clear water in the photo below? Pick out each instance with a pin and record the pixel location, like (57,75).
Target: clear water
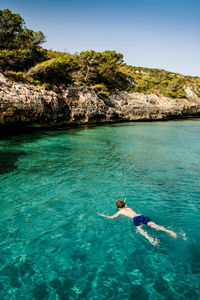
(52,187)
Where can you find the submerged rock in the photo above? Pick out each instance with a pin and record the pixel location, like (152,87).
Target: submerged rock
(8,160)
(28,105)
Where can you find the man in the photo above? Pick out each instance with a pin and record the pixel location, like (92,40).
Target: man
(139,221)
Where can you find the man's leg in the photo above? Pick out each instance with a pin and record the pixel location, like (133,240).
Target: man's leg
(154,242)
(158,227)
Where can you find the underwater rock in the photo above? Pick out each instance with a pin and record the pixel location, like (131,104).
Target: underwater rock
(8,160)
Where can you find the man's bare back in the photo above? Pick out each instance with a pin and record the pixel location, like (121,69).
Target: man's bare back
(125,211)
(128,212)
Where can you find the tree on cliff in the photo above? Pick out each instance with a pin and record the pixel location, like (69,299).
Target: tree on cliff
(10,25)
(14,34)
(19,46)
(103,68)
(97,64)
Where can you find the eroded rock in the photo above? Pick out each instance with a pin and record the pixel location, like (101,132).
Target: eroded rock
(27,105)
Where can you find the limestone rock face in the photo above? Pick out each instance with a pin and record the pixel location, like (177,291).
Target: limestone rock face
(27,105)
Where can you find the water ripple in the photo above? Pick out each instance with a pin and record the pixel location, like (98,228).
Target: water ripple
(53,243)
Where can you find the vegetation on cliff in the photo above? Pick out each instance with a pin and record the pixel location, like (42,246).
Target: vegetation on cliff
(20,47)
(23,59)
(55,70)
(161,82)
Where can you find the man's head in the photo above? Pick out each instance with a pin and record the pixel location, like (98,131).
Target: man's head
(120,203)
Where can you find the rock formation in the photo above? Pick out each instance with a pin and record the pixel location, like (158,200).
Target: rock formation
(28,105)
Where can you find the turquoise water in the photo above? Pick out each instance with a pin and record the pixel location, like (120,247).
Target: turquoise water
(52,187)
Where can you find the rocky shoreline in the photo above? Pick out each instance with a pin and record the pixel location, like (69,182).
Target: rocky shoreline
(30,106)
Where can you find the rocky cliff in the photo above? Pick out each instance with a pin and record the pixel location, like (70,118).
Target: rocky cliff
(28,105)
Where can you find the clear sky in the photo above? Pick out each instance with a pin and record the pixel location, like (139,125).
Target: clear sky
(150,33)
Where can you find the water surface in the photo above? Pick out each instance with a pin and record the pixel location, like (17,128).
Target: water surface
(53,184)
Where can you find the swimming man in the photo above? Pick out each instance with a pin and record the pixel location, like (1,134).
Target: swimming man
(139,221)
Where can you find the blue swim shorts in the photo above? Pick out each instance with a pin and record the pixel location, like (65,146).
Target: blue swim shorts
(137,221)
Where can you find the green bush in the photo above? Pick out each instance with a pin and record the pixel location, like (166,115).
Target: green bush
(21,59)
(101,91)
(100,87)
(33,81)
(157,81)
(46,86)
(15,76)
(56,70)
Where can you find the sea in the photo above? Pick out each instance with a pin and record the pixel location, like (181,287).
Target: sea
(53,186)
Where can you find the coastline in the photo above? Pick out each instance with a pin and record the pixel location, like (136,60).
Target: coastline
(27,106)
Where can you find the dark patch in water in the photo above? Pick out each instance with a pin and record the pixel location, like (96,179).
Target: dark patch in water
(8,160)
(41,291)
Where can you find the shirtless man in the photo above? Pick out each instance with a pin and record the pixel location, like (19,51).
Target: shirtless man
(139,221)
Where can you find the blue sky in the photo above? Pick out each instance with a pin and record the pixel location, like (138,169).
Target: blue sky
(156,34)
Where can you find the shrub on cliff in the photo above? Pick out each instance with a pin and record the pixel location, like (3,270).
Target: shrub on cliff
(194,84)
(15,76)
(159,82)
(56,70)
(21,59)
(101,91)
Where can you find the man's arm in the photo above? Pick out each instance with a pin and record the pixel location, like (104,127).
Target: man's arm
(111,217)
